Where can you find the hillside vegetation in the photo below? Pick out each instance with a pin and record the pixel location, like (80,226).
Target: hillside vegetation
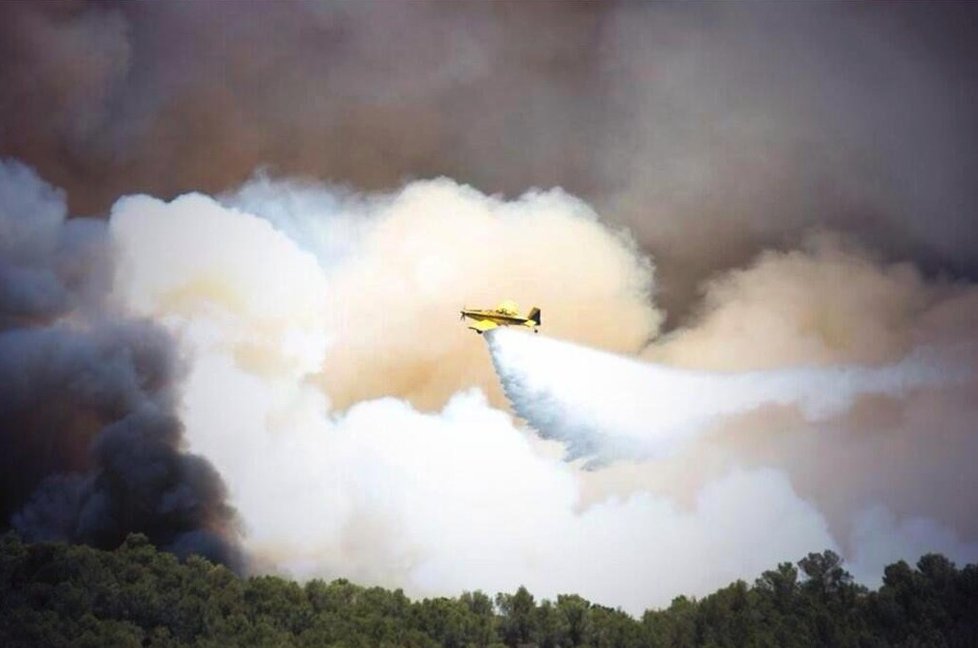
(58,595)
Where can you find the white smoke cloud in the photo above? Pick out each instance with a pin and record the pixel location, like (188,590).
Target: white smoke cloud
(439,501)
(359,431)
(223,278)
(462,499)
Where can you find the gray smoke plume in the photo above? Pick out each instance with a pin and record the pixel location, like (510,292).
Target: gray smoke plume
(90,445)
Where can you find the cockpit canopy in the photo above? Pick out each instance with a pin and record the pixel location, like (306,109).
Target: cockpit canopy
(508,308)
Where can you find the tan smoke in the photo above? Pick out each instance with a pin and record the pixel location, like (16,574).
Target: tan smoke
(436,247)
(833,304)
(829,303)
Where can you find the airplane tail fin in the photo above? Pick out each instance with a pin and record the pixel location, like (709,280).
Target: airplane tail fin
(534,315)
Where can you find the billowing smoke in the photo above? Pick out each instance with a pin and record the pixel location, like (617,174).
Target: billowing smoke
(435,491)
(328,370)
(394,264)
(604,407)
(693,123)
(90,443)
(828,304)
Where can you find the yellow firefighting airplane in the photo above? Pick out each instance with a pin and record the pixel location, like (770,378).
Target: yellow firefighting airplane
(506,314)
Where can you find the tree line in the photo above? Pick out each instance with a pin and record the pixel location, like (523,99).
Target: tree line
(60,595)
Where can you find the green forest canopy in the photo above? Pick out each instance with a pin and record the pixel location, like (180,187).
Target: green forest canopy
(59,595)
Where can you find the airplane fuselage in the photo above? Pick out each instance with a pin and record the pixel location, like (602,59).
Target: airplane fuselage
(506,315)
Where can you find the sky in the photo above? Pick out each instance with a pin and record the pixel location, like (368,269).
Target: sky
(234,238)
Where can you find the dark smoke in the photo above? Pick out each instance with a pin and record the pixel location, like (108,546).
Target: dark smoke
(747,125)
(713,130)
(111,98)
(90,446)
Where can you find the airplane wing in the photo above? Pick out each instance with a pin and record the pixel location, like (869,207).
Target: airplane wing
(483,325)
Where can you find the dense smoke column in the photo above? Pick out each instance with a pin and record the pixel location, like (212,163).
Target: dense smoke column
(90,445)
(91,450)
